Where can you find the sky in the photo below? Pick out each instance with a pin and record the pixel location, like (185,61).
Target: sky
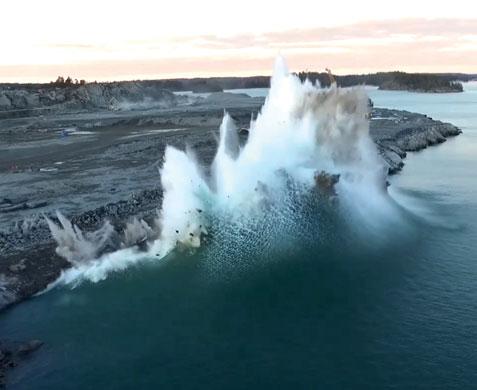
(143,39)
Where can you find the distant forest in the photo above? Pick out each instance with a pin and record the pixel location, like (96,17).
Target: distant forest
(386,80)
(427,82)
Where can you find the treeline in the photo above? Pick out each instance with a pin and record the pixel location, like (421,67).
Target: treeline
(411,81)
(61,82)
(421,82)
(384,80)
(396,80)
(212,84)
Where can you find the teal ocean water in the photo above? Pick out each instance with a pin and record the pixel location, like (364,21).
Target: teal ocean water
(321,307)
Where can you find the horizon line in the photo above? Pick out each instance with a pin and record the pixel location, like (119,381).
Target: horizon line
(131,78)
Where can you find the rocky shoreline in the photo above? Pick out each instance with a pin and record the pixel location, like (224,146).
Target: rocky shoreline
(101,164)
(111,173)
(396,132)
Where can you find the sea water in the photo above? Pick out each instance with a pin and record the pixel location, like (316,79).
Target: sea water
(330,310)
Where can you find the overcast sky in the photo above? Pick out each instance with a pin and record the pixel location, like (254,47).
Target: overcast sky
(110,40)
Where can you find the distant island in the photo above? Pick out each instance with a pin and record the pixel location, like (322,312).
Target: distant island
(415,82)
(398,81)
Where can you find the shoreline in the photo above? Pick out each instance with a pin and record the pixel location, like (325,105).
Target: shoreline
(109,172)
(102,165)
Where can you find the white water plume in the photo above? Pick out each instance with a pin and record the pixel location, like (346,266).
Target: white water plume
(302,134)
(138,231)
(74,245)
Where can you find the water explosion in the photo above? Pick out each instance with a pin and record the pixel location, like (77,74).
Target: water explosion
(305,140)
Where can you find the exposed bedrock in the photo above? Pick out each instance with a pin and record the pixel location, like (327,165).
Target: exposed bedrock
(396,132)
(18,100)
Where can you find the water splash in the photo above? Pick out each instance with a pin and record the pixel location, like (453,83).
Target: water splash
(303,137)
(74,245)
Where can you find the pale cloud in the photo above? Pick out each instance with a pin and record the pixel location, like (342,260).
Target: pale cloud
(412,44)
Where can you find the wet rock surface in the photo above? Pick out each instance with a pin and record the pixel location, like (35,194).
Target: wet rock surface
(325,183)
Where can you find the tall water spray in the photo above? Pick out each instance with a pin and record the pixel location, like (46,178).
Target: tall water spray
(302,134)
